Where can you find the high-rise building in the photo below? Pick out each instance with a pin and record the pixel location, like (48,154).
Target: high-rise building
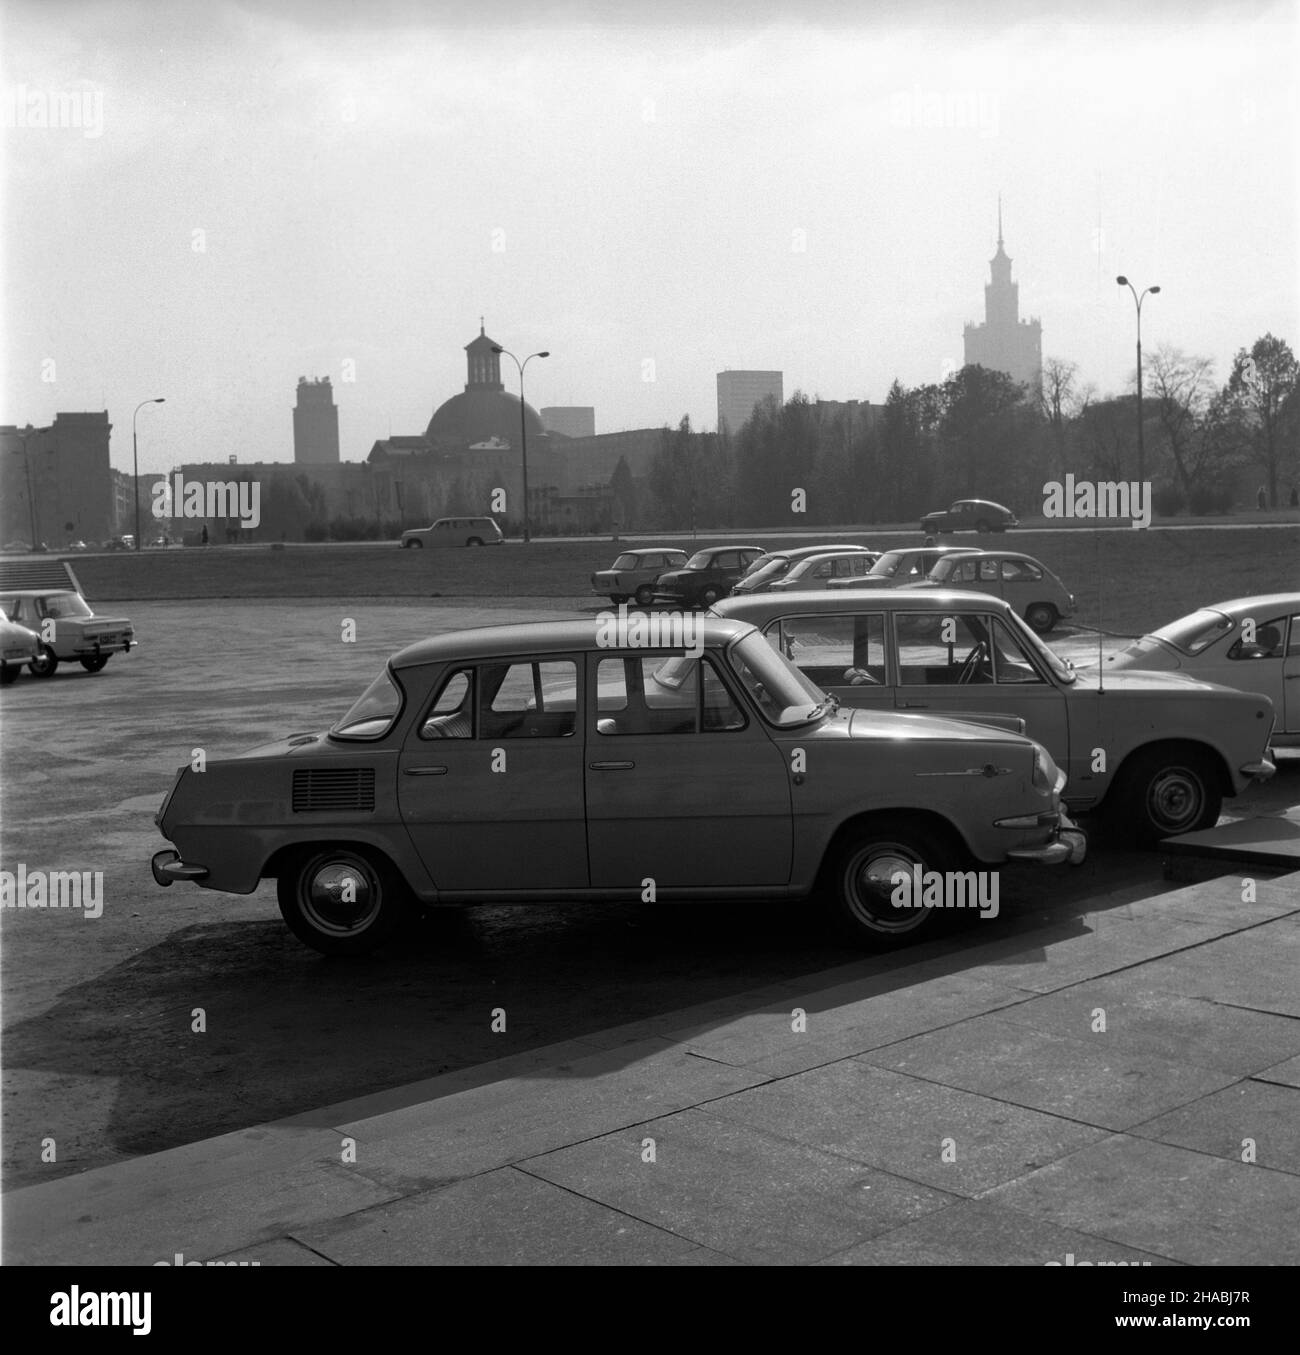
(56,484)
(316,423)
(739,394)
(1005,342)
(570,421)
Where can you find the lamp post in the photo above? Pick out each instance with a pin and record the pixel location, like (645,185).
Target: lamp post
(135,461)
(1124,282)
(523,421)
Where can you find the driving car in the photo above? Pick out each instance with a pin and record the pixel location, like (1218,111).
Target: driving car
(18,646)
(462,531)
(1252,644)
(542,762)
(1031,588)
(1157,751)
(817,571)
(768,568)
(707,576)
(970,515)
(897,567)
(66,628)
(632,575)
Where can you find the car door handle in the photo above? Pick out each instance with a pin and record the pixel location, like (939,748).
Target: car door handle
(424,771)
(611,766)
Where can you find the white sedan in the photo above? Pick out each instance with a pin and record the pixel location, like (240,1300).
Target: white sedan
(1252,644)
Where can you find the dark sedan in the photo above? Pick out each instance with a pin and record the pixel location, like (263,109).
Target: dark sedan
(970,515)
(707,576)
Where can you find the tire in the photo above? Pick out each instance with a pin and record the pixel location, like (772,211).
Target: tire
(45,664)
(309,893)
(8,673)
(1041,616)
(94,663)
(474,541)
(709,595)
(888,844)
(412,545)
(645,595)
(1165,791)
(618,599)
(983,527)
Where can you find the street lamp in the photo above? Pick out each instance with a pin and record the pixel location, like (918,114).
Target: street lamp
(135,460)
(1124,282)
(523,424)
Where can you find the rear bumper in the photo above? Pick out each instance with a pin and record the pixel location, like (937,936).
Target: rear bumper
(167,867)
(1263,770)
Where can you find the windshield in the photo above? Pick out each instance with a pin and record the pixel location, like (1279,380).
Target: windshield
(372,714)
(626,561)
(768,569)
(700,560)
(64,604)
(889,564)
(1196,632)
(1061,668)
(778,688)
(943,568)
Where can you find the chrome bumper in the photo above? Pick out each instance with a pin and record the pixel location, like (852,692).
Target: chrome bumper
(1069,846)
(1258,771)
(167,866)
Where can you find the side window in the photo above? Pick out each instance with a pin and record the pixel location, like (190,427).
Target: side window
(1020,571)
(834,651)
(663,696)
(1270,640)
(823,570)
(452,714)
(1012,664)
(527,700)
(1293,646)
(933,650)
(988,571)
(652,562)
(727,559)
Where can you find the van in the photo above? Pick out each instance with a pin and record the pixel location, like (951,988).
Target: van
(455,532)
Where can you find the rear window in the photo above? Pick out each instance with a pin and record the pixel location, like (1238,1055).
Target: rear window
(1197,632)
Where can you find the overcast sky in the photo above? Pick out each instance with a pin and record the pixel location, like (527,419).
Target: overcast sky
(263,191)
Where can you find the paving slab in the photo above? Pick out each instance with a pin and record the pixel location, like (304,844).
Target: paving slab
(1256,1117)
(504,1217)
(737,1190)
(1266,840)
(1095,1083)
(1180,1029)
(953,1140)
(1193,1208)
(1287,1073)
(981,1233)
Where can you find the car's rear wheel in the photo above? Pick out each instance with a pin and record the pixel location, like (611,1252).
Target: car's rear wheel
(474,541)
(859,887)
(1041,616)
(645,595)
(94,662)
(1163,792)
(341,902)
(46,662)
(709,595)
(983,525)
(413,545)
(8,672)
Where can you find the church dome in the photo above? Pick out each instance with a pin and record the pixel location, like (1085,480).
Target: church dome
(478,414)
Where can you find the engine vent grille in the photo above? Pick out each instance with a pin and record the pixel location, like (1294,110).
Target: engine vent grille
(330,790)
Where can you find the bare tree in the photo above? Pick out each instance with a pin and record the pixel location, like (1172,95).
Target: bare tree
(1182,386)
(1059,401)
(1264,396)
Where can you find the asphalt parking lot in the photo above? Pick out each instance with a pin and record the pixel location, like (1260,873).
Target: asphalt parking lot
(101,1052)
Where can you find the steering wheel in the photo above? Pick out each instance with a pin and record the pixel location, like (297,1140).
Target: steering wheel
(972,663)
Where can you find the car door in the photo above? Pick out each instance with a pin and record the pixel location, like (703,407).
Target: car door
(842,652)
(1269,665)
(684,786)
(1002,677)
(490,779)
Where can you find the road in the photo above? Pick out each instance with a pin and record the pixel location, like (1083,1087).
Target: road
(102,1053)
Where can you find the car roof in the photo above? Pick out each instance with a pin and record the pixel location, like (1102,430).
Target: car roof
(832,553)
(1263,602)
(549,637)
(653,550)
(934,550)
(713,550)
(1004,555)
(756,608)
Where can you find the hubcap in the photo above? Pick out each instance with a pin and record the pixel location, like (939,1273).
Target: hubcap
(1175,798)
(340,895)
(869,887)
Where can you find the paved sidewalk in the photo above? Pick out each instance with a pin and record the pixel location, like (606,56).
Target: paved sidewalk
(1123,1088)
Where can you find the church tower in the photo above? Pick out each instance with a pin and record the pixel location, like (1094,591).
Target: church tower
(1005,342)
(483,364)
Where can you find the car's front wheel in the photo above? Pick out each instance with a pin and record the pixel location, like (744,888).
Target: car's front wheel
(92,663)
(341,902)
(1041,617)
(618,599)
(864,881)
(412,544)
(474,541)
(1163,792)
(709,595)
(46,662)
(645,595)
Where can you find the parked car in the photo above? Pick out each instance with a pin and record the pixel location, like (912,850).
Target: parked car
(1031,588)
(768,568)
(897,567)
(707,576)
(1158,750)
(67,628)
(633,574)
(77,545)
(535,762)
(819,571)
(1211,644)
(970,515)
(454,532)
(18,646)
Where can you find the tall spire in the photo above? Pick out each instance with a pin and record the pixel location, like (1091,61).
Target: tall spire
(999,220)
(480,319)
